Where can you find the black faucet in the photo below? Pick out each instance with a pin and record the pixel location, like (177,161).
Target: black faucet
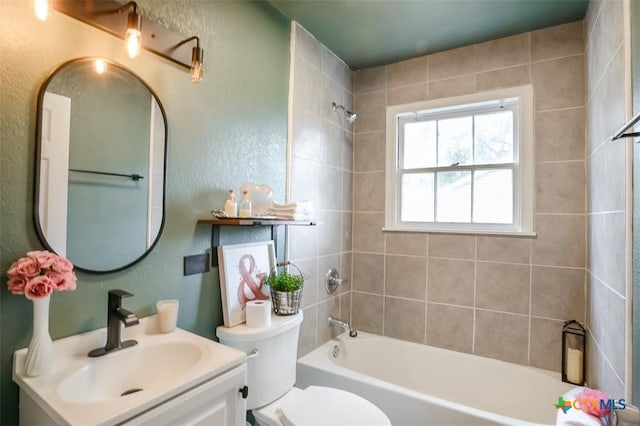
(116,314)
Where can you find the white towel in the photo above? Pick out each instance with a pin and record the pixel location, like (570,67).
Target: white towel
(293,211)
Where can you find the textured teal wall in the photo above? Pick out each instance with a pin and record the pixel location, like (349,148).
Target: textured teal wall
(228,130)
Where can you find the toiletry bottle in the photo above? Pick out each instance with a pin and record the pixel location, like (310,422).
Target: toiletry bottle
(245,205)
(231,205)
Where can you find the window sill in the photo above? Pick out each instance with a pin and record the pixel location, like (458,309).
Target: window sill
(495,233)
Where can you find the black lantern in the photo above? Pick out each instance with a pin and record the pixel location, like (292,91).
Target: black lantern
(573,352)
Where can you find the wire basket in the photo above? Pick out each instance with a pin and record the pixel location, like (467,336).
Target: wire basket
(286,302)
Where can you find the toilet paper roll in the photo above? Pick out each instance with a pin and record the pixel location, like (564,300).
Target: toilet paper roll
(258,313)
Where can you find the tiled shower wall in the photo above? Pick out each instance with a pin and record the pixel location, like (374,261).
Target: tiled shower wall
(500,297)
(607,193)
(321,170)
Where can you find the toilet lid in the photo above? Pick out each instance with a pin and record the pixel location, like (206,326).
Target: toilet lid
(319,405)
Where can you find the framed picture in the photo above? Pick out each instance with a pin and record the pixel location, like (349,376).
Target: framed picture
(243,269)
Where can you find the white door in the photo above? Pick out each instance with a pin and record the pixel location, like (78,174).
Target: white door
(54,170)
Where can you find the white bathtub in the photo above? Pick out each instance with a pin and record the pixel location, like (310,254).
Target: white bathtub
(423,385)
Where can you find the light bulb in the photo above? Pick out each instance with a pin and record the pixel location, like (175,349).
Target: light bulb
(197,72)
(41,8)
(100,66)
(134,42)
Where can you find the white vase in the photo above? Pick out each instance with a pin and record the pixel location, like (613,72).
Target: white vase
(39,358)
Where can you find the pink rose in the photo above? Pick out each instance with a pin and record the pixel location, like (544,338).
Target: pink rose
(24,267)
(38,287)
(60,264)
(16,285)
(43,257)
(62,281)
(591,403)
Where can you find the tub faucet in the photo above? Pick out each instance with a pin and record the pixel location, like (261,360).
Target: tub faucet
(116,314)
(344,324)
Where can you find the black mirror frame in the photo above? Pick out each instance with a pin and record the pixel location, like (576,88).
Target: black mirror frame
(38,152)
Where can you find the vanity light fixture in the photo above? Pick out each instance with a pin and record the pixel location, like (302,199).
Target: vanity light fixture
(133,36)
(197,55)
(42,8)
(106,15)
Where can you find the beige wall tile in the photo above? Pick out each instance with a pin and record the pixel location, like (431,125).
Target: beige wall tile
(336,69)
(347,193)
(326,308)
(456,86)
(330,227)
(606,112)
(306,182)
(306,81)
(369,152)
(450,327)
(505,77)
(408,94)
(308,135)
(558,293)
(450,281)
(368,194)
(303,242)
(613,342)
(560,135)
(346,267)
(557,41)
(345,307)
(605,40)
(452,62)
(347,150)
(371,109)
(503,287)
(307,339)
(504,249)
(308,47)
(369,80)
(546,344)
(560,240)
(332,91)
(329,191)
(404,319)
(347,231)
(406,277)
(309,268)
(502,52)
(607,249)
(367,232)
(559,83)
(452,246)
(407,72)
(368,272)
(335,138)
(560,187)
(405,243)
(366,312)
(502,336)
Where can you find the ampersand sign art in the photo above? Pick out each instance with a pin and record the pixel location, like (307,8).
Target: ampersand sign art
(251,281)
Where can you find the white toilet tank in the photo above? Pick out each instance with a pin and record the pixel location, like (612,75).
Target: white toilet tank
(271,372)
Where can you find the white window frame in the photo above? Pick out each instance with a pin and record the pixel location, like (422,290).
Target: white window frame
(523,177)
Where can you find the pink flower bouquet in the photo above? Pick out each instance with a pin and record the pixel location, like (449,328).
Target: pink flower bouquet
(40,274)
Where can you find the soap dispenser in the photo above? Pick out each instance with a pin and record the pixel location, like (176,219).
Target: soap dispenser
(231,205)
(245,205)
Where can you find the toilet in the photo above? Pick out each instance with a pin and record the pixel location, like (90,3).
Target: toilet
(271,375)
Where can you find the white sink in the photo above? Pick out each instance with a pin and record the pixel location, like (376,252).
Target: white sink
(117,386)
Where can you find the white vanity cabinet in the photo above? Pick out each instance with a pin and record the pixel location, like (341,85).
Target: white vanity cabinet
(176,378)
(217,402)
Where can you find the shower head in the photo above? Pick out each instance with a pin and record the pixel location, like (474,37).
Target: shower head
(351,116)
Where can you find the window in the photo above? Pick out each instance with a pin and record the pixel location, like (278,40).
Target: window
(462,164)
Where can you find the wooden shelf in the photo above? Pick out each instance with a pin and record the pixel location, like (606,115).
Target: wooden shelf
(252,221)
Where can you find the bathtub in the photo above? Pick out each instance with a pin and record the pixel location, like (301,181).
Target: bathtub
(422,385)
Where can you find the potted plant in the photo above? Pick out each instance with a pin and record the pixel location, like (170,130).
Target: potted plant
(286,289)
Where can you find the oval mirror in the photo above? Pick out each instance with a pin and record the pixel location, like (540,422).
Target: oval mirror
(100,165)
